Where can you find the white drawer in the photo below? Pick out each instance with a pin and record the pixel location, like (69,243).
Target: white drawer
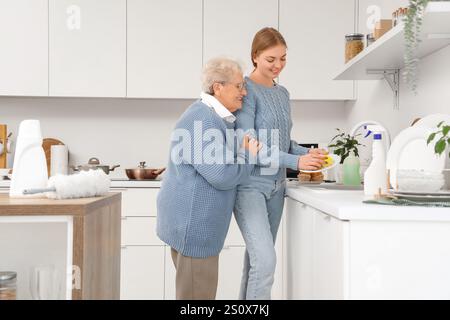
(138,202)
(139,231)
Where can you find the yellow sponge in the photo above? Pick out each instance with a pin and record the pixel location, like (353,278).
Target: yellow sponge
(328,161)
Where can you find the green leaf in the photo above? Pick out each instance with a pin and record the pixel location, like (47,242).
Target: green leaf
(431,138)
(446,130)
(439,148)
(440,124)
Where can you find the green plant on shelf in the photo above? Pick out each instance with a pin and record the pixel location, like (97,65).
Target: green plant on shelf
(412,28)
(343,143)
(444,138)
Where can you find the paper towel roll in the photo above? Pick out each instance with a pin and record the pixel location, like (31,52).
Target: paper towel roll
(59,163)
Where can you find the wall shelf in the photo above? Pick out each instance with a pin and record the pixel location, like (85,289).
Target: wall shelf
(387,52)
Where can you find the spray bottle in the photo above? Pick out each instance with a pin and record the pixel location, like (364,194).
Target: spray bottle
(375,179)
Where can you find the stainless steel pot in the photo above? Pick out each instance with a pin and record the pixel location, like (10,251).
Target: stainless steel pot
(94,164)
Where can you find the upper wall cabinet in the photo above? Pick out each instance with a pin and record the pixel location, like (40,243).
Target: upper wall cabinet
(87,48)
(230,26)
(315,35)
(164,43)
(24,47)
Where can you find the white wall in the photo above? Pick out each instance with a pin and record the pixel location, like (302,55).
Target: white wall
(126,131)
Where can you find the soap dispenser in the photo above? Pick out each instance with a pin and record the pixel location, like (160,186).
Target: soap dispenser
(375,178)
(30,166)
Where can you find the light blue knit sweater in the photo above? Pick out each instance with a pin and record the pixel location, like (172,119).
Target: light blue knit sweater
(196,200)
(269,108)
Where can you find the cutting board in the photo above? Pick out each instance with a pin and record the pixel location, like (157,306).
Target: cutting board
(47,144)
(3,135)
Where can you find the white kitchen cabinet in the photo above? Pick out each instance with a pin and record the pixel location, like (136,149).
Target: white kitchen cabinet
(164,48)
(315,252)
(229,27)
(315,35)
(298,248)
(142,273)
(87,48)
(24,47)
(328,257)
(140,231)
(138,202)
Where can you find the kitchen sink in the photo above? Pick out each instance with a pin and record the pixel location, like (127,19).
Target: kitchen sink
(334,186)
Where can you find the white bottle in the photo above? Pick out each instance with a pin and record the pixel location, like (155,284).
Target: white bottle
(30,166)
(375,179)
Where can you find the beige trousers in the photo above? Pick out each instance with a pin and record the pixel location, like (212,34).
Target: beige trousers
(196,278)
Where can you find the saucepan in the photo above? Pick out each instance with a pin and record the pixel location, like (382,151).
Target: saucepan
(94,164)
(143,173)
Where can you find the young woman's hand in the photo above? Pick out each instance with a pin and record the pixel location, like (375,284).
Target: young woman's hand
(318,151)
(311,161)
(252,145)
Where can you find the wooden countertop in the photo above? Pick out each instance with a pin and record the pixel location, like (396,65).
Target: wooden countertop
(43,206)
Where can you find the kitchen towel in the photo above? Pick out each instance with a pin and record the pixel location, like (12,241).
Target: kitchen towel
(59,163)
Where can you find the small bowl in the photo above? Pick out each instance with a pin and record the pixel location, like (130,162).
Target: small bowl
(419,180)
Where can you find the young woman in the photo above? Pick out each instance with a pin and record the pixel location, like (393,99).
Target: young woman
(259,203)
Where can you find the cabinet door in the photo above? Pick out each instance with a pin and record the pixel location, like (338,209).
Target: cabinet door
(299,251)
(24,47)
(139,231)
(328,256)
(87,48)
(139,202)
(164,48)
(315,35)
(230,27)
(142,273)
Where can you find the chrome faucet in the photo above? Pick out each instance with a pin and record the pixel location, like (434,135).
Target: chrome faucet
(371,122)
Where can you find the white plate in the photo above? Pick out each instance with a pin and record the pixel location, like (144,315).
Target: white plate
(432,120)
(409,150)
(425,197)
(336,160)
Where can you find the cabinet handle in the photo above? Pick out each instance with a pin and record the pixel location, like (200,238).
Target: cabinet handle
(119,189)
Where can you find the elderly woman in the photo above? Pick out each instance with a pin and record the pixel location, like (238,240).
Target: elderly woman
(198,191)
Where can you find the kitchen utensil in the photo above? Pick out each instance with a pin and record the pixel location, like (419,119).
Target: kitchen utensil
(85,184)
(94,164)
(47,144)
(3,144)
(409,150)
(336,160)
(143,173)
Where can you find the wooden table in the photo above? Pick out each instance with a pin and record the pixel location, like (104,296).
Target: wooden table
(96,238)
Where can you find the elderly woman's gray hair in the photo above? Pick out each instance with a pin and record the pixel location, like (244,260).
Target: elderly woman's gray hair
(219,70)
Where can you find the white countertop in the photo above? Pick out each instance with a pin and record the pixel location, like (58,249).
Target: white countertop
(115,183)
(347,205)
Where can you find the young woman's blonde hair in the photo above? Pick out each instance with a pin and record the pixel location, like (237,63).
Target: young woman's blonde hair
(264,39)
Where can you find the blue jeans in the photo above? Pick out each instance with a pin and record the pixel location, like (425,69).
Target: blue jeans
(258,210)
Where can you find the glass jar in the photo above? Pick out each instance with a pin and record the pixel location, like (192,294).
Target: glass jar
(369,39)
(354,44)
(8,285)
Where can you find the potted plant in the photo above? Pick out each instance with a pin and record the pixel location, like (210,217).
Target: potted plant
(412,28)
(442,144)
(444,138)
(346,147)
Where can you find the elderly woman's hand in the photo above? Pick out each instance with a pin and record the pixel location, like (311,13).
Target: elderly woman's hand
(252,145)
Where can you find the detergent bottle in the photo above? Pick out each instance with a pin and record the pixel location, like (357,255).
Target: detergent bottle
(375,177)
(30,166)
